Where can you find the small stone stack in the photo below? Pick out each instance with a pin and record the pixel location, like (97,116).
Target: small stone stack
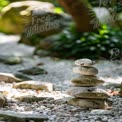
(84,90)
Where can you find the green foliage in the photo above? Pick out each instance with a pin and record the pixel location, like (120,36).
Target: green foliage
(51,1)
(94,3)
(118,7)
(71,44)
(3,3)
(58,10)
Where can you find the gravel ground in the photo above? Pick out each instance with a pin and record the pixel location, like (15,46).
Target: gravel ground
(59,73)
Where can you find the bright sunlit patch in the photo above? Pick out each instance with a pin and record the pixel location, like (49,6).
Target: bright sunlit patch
(116,80)
(11,93)
(8,38)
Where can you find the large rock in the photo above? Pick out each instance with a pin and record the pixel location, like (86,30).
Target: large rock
(87,103)
(17,14)
(12,116)
(35,85)
(3,101)
(86,70)
(43,24)
(46,44)
(87,81)
(88,92)
(47,22)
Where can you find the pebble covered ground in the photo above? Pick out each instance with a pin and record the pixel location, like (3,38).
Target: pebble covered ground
(60,73)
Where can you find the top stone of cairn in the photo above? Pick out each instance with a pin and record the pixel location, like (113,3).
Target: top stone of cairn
(84,62)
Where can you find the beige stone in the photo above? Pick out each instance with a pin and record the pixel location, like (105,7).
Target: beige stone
(87,103)
(35,85)
(84,62)
(87,81)
(88,92)
(3,100)
(86,70)
(10,78)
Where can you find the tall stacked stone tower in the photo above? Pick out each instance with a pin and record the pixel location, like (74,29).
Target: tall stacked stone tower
(84,90)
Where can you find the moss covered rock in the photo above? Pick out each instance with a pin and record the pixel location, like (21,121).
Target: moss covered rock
(17,14)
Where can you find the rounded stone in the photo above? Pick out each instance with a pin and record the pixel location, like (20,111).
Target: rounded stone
(86,70)
(88,92)
(87,81)
(87,103)
(84,62)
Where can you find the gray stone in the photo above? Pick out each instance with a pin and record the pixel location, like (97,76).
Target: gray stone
(33,71)
(87,81)
(21,116)
(11,60)
(43,24)
(84,62)
(36,85)
(88,92)
(86,70)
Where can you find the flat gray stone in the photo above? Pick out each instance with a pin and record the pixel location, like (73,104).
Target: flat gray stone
(84,62)
(22,116)
(101,112)
(11,60)
(33,71)
(86,70)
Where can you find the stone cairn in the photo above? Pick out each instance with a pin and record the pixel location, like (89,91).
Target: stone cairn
(84,90)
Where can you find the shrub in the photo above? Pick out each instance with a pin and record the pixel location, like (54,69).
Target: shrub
(71,44)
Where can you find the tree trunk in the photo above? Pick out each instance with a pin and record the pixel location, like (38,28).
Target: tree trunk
(82,14)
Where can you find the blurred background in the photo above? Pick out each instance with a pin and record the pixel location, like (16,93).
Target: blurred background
(65,29)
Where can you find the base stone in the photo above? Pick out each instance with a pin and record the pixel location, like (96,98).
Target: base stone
(87,103)
(88,92)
